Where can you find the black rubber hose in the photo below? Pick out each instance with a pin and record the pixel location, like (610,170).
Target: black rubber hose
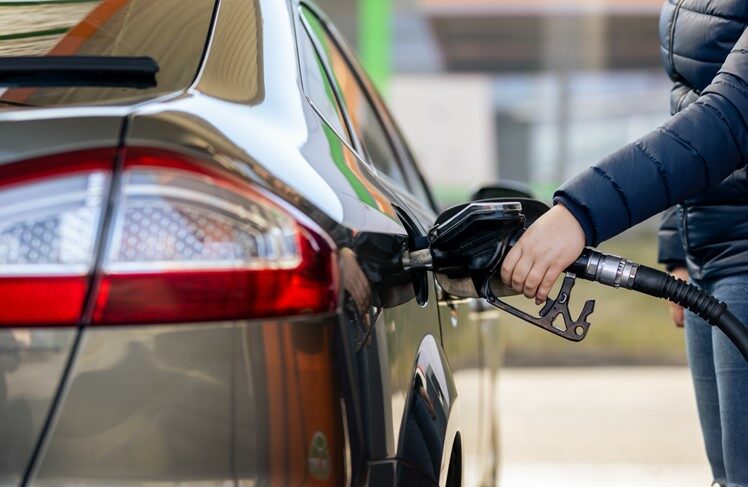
(615,271)
(662,285)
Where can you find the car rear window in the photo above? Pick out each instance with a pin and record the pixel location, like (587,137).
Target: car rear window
(172,32)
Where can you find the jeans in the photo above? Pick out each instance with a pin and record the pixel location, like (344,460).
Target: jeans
(720,377)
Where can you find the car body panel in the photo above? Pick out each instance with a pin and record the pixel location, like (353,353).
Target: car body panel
(25,134)
(32,362)
(431,402)
(196,403)
(245,401)
(461,336)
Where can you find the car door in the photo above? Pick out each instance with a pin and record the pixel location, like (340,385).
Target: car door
(468,330)
(465,334)
(400,363)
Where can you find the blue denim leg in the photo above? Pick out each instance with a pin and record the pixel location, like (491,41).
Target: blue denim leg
(721,380)
(701,362)
(732,383)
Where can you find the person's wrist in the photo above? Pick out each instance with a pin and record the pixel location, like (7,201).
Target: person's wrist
(573,225)
(580,216)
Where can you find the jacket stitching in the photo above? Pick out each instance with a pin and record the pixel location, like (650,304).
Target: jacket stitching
(660,170)
(618,190)
(713,15)
(693,149)
(725,123)
(671,40)
(732,85)
(691,57)
(739,51)
(741,162)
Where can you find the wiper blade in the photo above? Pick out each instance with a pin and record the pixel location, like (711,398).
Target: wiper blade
(76,71)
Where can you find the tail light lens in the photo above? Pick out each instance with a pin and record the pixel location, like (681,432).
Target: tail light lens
(191,244)
(185,243)
(50,216)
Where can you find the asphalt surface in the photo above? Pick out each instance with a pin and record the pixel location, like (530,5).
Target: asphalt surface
(630,426)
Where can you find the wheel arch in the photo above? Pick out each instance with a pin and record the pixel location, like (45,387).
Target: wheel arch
(430,425)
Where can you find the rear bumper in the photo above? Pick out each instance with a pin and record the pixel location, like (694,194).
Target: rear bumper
(32,362)
(219,402)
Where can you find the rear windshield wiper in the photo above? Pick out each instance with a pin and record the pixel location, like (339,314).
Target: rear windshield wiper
(75,71)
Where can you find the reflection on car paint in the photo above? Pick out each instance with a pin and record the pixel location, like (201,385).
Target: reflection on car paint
(31,365)
(90,32)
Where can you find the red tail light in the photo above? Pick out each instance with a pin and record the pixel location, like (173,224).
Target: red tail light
(50,216)
(185,243)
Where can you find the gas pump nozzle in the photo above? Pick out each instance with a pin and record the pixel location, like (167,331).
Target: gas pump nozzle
(468,243)
(466,247)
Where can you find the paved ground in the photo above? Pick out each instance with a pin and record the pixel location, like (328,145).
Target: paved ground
(600,426)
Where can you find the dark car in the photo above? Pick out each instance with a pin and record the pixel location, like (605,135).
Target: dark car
(205,218)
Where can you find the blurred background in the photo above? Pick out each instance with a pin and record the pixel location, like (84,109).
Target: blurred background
(535,91)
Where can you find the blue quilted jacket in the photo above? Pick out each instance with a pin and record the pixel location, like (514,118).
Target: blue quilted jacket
(696,160)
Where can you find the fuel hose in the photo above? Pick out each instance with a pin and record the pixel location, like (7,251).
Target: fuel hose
(615,271)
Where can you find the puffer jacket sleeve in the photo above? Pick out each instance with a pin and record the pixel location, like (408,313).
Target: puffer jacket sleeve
(692,152)
(671,253)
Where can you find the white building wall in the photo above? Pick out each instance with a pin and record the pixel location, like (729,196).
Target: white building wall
(449,123)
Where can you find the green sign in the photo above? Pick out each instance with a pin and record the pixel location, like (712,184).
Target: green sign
(375,40)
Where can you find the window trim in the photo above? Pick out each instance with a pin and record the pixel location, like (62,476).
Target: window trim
(366,89)
(349,138)
(399,147)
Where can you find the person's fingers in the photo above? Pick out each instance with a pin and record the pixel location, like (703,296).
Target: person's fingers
(553,241)
(510,261)
(521,270)
(677,314)
(549,279)
(534,278)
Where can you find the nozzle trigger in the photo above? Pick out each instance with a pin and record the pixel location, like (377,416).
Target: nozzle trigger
(571,329)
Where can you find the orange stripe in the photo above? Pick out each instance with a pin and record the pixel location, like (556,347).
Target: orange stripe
(72,41)
(349,87)
(275,405)
(90,25)
(302,397)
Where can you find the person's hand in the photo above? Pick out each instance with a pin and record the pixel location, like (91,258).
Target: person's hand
(549,246)
(676,311)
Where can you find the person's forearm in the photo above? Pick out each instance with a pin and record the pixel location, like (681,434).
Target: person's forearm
(692,152)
